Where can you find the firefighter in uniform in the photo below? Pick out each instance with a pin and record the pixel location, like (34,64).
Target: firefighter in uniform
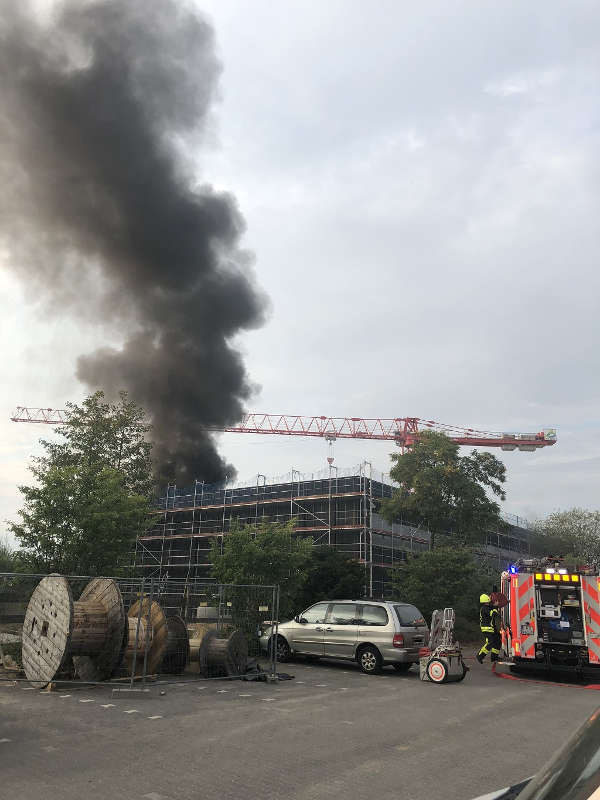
(489,621)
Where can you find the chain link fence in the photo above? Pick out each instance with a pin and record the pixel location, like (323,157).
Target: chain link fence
(125,631)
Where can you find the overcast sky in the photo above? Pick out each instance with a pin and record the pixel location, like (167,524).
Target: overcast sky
(421,189)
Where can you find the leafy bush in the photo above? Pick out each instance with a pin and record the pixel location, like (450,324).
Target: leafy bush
(447,577)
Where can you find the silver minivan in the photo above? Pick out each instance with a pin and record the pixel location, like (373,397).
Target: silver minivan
(371,632)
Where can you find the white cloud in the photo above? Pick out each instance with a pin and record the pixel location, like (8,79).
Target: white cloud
(524,83)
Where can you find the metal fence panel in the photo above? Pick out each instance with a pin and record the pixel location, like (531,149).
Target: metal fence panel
(126,631)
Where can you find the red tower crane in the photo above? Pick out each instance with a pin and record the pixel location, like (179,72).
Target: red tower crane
(402,430)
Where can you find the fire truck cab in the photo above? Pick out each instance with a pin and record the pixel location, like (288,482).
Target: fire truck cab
(552,619)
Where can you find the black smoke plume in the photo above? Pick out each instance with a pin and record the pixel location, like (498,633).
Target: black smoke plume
(101,105)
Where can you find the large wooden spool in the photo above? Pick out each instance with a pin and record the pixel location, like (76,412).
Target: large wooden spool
(178,647)
(153,632)
(57,628)
(199,649)
(220,657)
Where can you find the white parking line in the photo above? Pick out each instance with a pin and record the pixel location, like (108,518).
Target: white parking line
(132,711)
(222,691)
(267,699)
(321,685)
(3,741)
(108,705)
(28,688)
(244,695)
(156,716)
(300,681)
(201,687)
(88,700)
(64,695)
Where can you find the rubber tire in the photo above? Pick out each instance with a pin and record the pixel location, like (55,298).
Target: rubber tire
(442,676)
(464,674)
(283,650)
(372,665)
(400,666)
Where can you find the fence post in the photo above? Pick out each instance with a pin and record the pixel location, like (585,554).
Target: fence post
(137,633)
(220,611)
(148,628)
(2,582)
(275,633)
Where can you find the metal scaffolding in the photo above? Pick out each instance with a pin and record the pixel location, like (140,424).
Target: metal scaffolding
(335,508)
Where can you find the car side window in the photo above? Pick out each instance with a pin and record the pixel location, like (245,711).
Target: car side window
(316,613)
(374,615)
(342,614)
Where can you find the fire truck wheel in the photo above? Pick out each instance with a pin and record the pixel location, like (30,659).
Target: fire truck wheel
(437,671)
(517,668)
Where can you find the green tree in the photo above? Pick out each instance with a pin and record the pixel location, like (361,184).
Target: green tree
(330,574)
(103,434)
(9,559)
(92,490)
(445,491)
(574,533)
(267,553)
(79,520)
(443,578)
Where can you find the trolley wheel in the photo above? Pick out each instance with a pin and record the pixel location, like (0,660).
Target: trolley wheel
(437,672)
(464,673)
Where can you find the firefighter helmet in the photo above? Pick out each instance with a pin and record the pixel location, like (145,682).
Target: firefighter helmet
(484,598)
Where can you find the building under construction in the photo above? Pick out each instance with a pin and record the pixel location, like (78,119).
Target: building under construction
(340,510)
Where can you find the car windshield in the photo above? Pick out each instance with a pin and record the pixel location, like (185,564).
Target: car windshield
(409,615)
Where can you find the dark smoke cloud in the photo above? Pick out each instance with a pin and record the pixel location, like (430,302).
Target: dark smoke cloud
(98,210)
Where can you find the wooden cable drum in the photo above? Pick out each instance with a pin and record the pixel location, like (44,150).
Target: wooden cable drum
(199,650)
(225,656)
(56,628)
(178,647)
(153,630)
(101,667)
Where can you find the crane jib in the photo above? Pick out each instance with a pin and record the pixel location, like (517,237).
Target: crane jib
(404,431)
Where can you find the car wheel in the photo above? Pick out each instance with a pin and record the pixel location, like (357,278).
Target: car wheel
(283,650)
(369,660)
(437,671)
(401,666)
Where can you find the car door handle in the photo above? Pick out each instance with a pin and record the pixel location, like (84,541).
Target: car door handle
(328,629)
(319,629)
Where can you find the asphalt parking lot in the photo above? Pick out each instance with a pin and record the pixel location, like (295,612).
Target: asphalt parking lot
(332,732)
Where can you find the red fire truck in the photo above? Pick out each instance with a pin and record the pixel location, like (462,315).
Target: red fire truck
(552,619)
